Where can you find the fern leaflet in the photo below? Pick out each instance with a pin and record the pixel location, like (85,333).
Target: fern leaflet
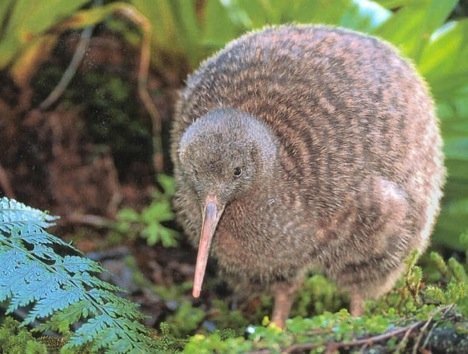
(61,291)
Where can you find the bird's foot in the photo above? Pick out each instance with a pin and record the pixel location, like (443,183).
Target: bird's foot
(356,307)
(284,294)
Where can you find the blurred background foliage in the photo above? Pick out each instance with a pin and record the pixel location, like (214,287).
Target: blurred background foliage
(183,33)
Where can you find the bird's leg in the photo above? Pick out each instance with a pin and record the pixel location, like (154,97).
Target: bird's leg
(356,307)
(284,294)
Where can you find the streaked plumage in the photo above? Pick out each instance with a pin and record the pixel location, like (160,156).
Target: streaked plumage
(340,158)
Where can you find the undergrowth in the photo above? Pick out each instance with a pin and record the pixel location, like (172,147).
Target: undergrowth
(414,316)
(149,223)
(57,293)
(62,306)
(17,340)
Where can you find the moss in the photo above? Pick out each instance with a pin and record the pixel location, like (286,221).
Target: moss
(413,315)
(17,340)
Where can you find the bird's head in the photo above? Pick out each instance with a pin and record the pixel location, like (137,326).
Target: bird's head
(224,155)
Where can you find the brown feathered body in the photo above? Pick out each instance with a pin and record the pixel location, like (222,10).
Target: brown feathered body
(351,179)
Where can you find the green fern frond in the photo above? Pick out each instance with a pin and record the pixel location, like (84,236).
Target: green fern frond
(14,213)
(60,291)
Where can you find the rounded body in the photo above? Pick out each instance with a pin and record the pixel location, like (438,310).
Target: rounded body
(357,178)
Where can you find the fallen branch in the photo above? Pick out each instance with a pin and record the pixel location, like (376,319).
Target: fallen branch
(84,219)
(405,332)
(333,346)
(445,310)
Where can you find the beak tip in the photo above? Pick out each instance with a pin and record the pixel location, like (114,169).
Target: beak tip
(196,293)
(211,215)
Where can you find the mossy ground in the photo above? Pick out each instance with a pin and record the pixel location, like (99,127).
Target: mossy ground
(419,314)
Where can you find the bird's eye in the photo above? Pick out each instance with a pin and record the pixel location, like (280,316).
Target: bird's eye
(237,171)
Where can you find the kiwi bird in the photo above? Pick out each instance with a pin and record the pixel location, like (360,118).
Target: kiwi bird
(302,148)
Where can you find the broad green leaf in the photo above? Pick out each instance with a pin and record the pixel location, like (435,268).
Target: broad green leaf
(243,14)
(452,222)
(410,28)
(393,4)
(457,188)
(218,28)
(457,171)
(191,30)
(457,148)
(454,130)
(161,15)
(321,11)
(24,65)
(360,15)
(364,15)
(167,36)
(92,16)
(454,216)
(28,20)
(5,10)
(444,61)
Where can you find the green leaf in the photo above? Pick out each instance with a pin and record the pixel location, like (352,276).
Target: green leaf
(167,237)
(393,4)
(364,16)
(6,7)
(411,27)
(452,222)
(13,212)
(128,214)
(167,183)
(457,148)
(61,289)
(187,21)
(453,112)
(444,62)
(169,35)
(28,20)
(359,15)
(218,27)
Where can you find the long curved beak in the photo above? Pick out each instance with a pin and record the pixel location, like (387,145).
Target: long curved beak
(212,212)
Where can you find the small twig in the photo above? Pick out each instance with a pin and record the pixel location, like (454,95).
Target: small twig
(5,183)
(377,338)
(363,348)
(423,328)
(402,344)
(72,68)
(91,220)
(333,346)
(108,254)
(300,347)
